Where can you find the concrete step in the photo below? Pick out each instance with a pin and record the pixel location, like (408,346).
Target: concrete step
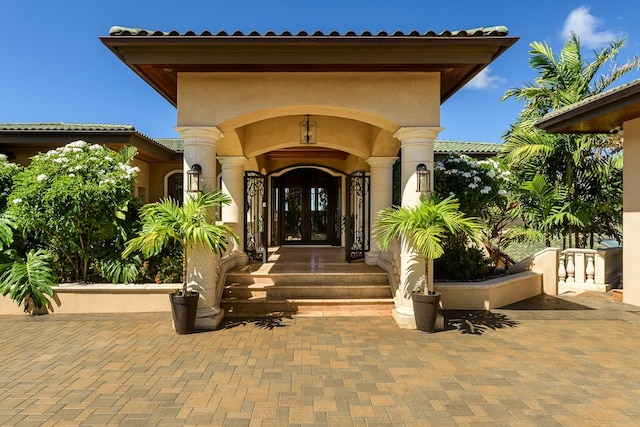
(238,291)
(258,307)
(265,279)
(301,289)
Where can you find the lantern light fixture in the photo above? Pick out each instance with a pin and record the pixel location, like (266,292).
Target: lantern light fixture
(308,131)
(193,178)
(423,175)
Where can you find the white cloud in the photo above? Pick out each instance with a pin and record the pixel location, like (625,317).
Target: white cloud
(587,28)
(484,80)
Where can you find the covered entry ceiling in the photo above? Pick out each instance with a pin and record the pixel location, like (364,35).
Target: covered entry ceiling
(158,57)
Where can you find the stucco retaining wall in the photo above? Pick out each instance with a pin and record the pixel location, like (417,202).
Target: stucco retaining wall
(103,298)
(107,298)
(489,294)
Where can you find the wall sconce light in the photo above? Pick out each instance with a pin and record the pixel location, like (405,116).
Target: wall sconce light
(423,175)
(193,178)
(308,131)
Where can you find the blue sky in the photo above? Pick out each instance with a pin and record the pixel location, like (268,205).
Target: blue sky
(55,69)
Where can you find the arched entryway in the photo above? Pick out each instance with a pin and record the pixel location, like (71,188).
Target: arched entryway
(306,208)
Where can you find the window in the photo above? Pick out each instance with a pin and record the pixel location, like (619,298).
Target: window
(174,185)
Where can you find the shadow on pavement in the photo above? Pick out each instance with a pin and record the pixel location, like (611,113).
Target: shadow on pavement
(475,322)
(545,302)
(271,322)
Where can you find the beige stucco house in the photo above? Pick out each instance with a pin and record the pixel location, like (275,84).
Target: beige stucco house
(303,130)
(613,111)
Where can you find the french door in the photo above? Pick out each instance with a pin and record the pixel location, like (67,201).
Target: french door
(306,208)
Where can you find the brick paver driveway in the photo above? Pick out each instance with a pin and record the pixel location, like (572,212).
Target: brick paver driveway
(517,367)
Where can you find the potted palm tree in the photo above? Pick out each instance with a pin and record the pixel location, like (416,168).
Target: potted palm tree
(166,222)
(424,227)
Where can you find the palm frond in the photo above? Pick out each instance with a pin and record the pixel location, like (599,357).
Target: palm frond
(425,225)
(126,154)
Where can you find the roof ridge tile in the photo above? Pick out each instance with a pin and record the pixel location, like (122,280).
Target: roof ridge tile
(474,32)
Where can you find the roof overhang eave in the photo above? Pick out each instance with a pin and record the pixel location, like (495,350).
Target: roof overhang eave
(599,115)
(157,59)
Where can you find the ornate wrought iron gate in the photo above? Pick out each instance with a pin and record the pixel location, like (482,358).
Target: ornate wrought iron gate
(358,216)
(255,214)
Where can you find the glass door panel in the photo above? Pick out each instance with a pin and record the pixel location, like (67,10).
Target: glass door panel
(319,213)
(292,214)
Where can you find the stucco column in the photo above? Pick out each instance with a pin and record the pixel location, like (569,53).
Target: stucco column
(381,194)
(416,144)
(202,265)
(233,185)
(631,214)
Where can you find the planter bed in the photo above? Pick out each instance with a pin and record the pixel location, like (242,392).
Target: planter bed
(489,294)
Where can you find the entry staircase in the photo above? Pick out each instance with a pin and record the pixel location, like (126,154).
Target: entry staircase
(306,284)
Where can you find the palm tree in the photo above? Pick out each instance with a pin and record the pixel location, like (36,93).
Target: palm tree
(542,208)
(574,163)
(166,222)
(424,227)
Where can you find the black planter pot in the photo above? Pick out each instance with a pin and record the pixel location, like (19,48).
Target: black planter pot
(425,310)
(183,310)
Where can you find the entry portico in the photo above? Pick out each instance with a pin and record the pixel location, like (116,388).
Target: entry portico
(240,101)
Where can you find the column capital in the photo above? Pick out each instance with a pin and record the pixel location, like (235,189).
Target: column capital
(232,161)
(199,134)
(381,161)
(417,134)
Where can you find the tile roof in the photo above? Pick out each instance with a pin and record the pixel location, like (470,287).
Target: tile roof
(159,56)
(66,127)
(175,144)
(599,113)
(475,32)
(20,133)
(591,99)
(442,146)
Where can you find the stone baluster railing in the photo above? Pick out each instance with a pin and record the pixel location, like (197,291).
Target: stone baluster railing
(589,269)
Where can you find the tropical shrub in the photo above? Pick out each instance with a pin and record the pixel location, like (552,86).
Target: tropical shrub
(28,279)
(8,171)
(484,190)
(71,200)
(461,262)
(165,267)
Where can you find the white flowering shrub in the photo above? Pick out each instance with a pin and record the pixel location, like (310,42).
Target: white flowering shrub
(70,200)
(477,184)
(483,188)
(8,171)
